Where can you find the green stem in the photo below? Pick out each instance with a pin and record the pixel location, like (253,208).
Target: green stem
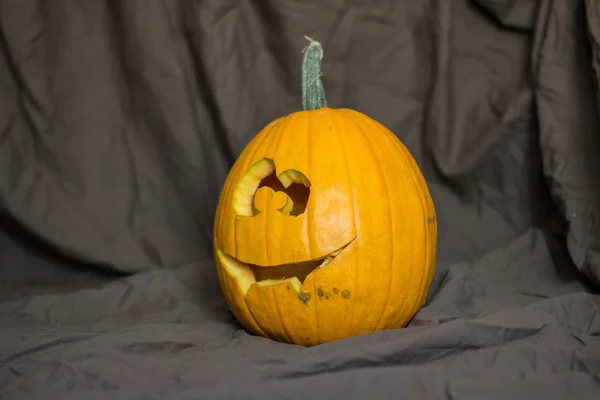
(313,94)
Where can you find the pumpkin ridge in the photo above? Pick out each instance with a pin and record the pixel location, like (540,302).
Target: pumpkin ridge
(266,143)
(280,134)
(367,139)
(273,152)
(310,218)
(427,203)
(420,186)
(355,208)
(417,186)
(281,320)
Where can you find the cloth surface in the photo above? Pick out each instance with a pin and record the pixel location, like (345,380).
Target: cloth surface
(119,121)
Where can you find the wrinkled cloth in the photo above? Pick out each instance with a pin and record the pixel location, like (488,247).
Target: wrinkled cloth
(119,121)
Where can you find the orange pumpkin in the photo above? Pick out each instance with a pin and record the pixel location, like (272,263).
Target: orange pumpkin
(325,227)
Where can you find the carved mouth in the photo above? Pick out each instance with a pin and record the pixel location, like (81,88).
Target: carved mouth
(248,274)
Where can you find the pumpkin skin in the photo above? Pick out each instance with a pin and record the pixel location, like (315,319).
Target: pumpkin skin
(361,208)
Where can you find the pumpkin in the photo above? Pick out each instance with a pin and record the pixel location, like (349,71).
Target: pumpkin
(325,227)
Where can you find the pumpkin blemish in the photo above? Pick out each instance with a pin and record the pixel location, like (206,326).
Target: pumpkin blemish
(304,297)
(346,293)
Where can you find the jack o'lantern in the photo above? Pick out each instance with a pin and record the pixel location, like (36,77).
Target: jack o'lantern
(325,227)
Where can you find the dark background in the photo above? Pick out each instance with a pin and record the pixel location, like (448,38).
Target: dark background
(119,120)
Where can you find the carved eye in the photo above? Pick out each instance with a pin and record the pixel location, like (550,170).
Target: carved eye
(293,183)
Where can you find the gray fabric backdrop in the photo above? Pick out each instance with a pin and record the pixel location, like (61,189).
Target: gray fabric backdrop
(119,120)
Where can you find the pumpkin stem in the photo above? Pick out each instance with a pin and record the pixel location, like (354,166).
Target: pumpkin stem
(313,94)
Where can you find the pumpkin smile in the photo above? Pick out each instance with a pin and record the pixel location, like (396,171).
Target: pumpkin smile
(248,274)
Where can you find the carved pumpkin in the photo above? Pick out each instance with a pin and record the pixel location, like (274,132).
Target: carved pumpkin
(325,227)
